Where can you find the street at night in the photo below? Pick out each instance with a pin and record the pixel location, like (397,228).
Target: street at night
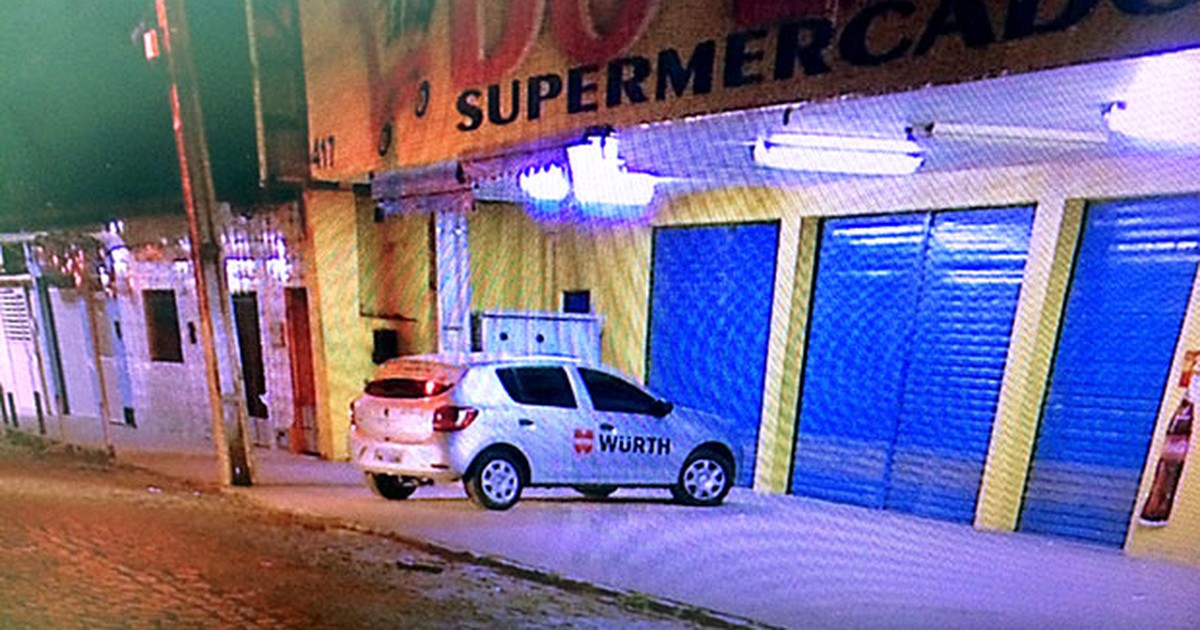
(92,545)
(613,313)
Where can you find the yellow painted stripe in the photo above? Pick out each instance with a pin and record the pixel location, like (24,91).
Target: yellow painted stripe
(777,436)
(1052,250)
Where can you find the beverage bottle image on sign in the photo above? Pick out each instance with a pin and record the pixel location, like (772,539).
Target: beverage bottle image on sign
(1157,510)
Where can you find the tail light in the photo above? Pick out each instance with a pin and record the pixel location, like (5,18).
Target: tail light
(453,418)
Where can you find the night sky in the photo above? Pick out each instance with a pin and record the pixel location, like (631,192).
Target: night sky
(85,127)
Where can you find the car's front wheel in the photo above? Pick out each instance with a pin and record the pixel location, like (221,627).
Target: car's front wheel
(705,479)
(496,482)
(391,487)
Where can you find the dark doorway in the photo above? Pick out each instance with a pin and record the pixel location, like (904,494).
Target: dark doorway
(245,311)
(162,326)
(302,438)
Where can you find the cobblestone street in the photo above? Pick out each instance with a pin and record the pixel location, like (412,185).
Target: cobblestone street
(87,545)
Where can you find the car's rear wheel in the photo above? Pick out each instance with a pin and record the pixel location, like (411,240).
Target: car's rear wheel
(391,487)
(595,491)
(496,482)
(705,479)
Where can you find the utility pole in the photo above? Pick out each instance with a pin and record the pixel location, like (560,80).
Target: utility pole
(226,395)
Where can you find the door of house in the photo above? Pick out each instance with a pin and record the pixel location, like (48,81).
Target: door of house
(302,436)
(254,379)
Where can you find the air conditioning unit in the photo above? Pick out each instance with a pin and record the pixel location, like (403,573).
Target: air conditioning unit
(537,333)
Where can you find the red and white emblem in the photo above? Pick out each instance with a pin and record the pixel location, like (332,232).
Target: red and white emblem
(583,440)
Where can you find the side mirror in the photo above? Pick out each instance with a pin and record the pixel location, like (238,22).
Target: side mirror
(662,408)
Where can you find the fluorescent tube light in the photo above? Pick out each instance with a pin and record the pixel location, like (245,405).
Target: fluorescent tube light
(1010,133)
(838,154)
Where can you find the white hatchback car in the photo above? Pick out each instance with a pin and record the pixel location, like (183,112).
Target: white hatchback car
(501,424)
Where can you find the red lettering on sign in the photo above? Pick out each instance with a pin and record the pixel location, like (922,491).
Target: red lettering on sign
(472,61)
(575,29)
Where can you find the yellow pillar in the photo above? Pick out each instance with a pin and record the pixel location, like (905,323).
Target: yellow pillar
(1031,349)
(341,341)
(777,434)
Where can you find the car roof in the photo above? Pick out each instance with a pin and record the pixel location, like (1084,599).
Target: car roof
(466,360)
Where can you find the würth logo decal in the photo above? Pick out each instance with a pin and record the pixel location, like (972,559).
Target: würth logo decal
(643,445)
(583,440)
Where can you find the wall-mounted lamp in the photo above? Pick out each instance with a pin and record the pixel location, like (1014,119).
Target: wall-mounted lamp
(595,174)
(848,155)
(599,175)
(548,183)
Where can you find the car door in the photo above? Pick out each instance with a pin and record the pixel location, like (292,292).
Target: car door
(542,421)
(631,444)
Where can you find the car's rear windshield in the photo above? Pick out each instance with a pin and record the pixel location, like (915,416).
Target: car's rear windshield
(406,388)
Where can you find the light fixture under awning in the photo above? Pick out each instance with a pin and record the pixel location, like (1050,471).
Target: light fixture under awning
(1010,133)
(848,155)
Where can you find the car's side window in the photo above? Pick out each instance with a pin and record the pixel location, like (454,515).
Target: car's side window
(610,393)
(543,386)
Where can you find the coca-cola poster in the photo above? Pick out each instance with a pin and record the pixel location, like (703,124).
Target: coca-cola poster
(1156,512)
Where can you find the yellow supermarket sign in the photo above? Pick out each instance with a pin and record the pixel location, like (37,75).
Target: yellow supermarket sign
(406,82)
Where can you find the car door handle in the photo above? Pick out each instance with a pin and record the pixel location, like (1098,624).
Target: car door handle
(525,422)
(608,428)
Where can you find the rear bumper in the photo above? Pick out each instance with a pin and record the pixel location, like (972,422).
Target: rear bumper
(428,460)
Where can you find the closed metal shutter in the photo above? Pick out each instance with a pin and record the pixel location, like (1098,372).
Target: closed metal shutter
(710,317)
(973,267)
(21,353)
(911,322)
(14,313)
(868,280)
(1129,293)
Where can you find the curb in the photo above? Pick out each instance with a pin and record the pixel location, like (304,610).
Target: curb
(41,445)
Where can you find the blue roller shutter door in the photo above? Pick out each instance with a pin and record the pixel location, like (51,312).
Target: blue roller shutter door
(973,267)
(1129,293)
(910,329)
(863,307)
(710,317)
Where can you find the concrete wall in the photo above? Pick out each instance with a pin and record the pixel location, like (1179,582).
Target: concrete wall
(395,274)
(170,399)
(508,259)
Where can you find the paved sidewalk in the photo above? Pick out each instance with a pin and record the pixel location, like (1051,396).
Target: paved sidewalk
(778,560)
